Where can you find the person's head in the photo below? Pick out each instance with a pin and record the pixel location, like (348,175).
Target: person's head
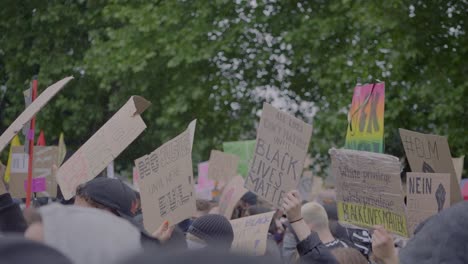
(107,194)
(203,208)
(246,201)
(210,231)
(348,256)
(315,216)
(17,250)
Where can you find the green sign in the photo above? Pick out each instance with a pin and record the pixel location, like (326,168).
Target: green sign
(244,150)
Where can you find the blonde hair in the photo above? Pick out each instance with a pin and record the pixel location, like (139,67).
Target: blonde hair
(314,213)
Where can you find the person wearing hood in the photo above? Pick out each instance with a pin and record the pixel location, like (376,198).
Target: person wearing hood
(116,197)
(85,235)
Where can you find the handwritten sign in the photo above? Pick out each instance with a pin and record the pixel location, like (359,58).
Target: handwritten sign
(166,182)
(251,233)
(431,154)
(369,190)
(244,150)
(30,111)
(427,195)
(366,118)
(231,194)
(223,166)
(44,182)
(103,147)
(280,151)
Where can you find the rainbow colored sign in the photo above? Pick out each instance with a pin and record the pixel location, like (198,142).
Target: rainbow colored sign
(366,119)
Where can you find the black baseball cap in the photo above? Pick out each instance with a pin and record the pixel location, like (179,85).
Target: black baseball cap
(111,193)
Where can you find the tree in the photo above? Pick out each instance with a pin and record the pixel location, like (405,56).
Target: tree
(217,61)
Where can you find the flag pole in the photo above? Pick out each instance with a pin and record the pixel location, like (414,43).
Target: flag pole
(31,148)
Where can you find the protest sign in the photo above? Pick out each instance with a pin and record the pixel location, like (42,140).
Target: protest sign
(44,183)
(203,192)
(166,182)
(103,147)
(458,165)
(204,186)
(203,180)
(431,154)
(251,233)
(369,190)
(232,193)
(366,118)
(280,150)
(244,150)
(30,111)
(2,172)
(223,166)
(427,195)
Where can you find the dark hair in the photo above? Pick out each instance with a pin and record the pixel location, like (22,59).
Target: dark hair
(80,192)
(203,205)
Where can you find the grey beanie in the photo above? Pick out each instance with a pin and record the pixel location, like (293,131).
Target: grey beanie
(215,230)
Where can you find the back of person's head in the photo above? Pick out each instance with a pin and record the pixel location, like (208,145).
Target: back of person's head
(203,207)
(250,199)
(314,214)
(85,235)
(348,256)
(440,239)
(18,250)
(212,230)
(108,194)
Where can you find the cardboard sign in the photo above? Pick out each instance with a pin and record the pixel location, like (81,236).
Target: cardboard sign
(427,195)
(458,164)
(166,182)
(232,193)
(2,172)
(44,182)
(32,109)
(251,233)
(223,166)
(203,180)
(431,154)
(103,147)
(280,150)
(244,150)
(366,119)
(204,193)
(369,190)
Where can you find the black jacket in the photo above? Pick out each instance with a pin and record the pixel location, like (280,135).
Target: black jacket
(11,217)
(312,250)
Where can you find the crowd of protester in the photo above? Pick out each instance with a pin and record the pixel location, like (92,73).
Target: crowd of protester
(103,223)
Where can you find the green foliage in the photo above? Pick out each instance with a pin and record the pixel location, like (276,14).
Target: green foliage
(217,61)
